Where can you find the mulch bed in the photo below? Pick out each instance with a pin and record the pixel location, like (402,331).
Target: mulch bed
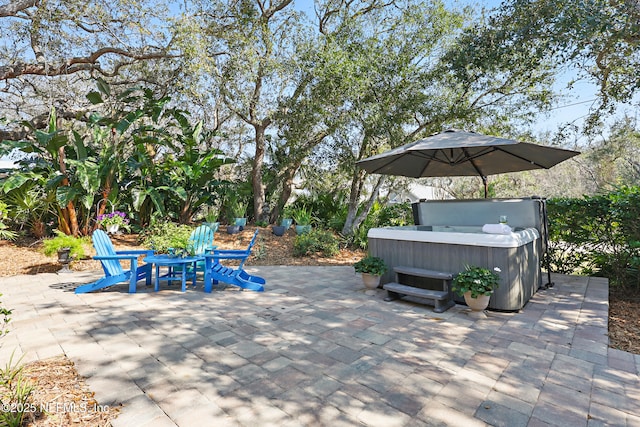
(624,319)
(62,398)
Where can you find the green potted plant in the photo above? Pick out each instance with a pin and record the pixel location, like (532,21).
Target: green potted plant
(237,210)
(66,247)
(168,238)
(371,268)
(476,284)
(113,222)
(302,217)
(211,218)
(287,218)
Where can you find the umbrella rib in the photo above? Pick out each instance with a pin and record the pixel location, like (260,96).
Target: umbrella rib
(524,159)
(429,160)
(471,158)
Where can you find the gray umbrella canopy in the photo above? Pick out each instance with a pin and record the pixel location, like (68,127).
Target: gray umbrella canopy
(457,153)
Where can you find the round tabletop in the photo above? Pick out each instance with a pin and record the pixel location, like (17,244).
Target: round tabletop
(171,259)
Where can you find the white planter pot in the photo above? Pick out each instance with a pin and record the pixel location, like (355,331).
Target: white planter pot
(113,229)
(371,281)
(477,305)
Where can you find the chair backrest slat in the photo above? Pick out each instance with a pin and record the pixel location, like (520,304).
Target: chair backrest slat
(103,246)
(201,239)
(248,251)
(253,241)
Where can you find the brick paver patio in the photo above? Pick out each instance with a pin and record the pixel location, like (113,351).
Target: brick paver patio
(316,350)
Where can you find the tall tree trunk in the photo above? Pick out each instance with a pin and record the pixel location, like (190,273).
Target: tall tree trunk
(287,173)
(256,173)
(369,204)
(357,182)
(185,212)
(69,212)
(285,192)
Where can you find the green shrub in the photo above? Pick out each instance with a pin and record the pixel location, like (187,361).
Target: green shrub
(316,241)
(161,236)
(15,391)
(597,235)
(383,216)
(5,233)
(329,208)
(61,241)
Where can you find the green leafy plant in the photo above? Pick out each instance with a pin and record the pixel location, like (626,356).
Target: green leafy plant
(371,265)
(302,216)
(477,280)
(329,207)
(169,238)
(259,250)
(236,208)
(32,207)
(4,320)
(5,233)
(61,241)
(165,237)
(211,214)
(316,241)
(15,393)
(380,215)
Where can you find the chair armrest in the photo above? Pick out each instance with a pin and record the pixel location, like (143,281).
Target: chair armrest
(231,252)
(218,256)
(106,257)
(147,252)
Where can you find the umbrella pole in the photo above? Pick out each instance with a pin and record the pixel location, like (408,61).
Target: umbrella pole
(486,186)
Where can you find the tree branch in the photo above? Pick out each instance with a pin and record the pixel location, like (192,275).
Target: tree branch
(13,8)
(76,64)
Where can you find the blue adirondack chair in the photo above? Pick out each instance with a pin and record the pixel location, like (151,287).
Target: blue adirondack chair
(113,271)
(236,276)
(201,240)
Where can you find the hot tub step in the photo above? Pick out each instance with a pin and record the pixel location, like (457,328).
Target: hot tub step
(421,272)
(415,292)
(442,299)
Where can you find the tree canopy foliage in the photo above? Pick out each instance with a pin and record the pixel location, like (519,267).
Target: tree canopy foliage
(599,38)
(142,102)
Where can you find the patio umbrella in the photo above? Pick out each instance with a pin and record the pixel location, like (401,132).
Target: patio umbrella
(457,153)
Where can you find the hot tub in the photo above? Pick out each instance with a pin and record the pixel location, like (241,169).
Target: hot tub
(450,247)
(457,235)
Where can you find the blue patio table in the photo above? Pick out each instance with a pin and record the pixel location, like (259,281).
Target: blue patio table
(171,262)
